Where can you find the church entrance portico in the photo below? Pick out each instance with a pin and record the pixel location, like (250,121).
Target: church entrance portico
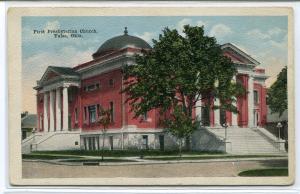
(54,91)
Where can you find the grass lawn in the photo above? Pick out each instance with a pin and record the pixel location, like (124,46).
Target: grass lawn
(46,157)
(209,157)
(123,153)
(98,160)
(265,172)
(71,158)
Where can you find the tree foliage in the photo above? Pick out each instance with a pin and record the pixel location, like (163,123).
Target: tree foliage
(179,71)
(104,118)
(277,94)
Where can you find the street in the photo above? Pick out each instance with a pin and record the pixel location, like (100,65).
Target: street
(203,169)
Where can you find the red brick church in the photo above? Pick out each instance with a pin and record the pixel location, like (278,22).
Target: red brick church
(69,98)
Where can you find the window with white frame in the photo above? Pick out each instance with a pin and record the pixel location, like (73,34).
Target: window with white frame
(92,87)
(92,114)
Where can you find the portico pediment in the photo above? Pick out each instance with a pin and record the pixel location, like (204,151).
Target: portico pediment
(237,55)
(50,75)
(54,74)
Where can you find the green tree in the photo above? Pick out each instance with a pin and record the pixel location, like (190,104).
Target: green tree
(104,120)
(179,71)
(277,94)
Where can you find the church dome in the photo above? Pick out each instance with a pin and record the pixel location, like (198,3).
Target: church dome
(120,42)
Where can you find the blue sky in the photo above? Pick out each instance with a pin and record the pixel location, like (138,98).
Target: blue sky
(262,37)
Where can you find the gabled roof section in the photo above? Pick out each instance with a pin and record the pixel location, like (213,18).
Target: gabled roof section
(53,71)
(55,74)
(64,71)
(235,50)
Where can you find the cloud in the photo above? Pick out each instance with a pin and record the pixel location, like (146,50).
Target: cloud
(186,21)
(220,30)
(181,24)
(201,23)
(282,45)
(270,49)
(273,58)
(258,34)
(35,65)
(276,31)
(52,25)
(275,64)
(147,36)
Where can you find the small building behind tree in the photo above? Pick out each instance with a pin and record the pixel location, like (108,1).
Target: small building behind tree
(28,124)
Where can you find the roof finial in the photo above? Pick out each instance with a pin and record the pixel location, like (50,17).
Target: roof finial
(125,31)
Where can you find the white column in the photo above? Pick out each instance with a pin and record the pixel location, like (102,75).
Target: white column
(234,121)
(65,109)
(198,109)
(217,112)
(250,102)
(51,111)
(45,112)
(58,109)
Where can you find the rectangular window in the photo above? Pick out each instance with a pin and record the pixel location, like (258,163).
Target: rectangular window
(98,110)
(93,143)
(111,83)
(112,112)
(97,85)
(85,114)
(85,143)
(90,143)
(145,142)
(76,115)
(98,143)
(256,98)
(91,87)
(111,142)
(161,142)
(92,114)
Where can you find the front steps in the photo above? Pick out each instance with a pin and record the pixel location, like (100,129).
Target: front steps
(249,140)
(58,140)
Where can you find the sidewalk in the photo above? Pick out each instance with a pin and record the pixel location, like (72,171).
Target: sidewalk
(147,160)
(147,170)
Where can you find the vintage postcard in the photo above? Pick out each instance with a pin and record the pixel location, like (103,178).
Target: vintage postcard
(151,96)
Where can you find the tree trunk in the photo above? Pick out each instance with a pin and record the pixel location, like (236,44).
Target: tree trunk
(180,147)
(188,138)
(103,146)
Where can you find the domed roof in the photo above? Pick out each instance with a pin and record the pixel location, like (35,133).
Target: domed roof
(120,42)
